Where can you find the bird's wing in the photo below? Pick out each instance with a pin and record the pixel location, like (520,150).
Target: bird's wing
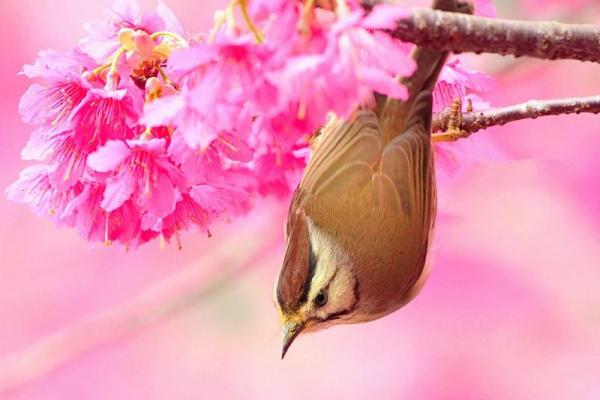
(345,147)
(403,183)
(392,183)
(345,157)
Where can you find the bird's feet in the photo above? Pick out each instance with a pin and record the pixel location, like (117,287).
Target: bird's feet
(453,131)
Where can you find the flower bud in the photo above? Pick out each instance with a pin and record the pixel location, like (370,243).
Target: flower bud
(88,76)
(152,85)
(126,38)
(143,43)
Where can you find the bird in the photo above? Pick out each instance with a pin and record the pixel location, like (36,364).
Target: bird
(362,217)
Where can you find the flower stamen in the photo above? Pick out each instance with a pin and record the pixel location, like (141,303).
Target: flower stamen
(249,23)
(304,25)
(170,35)
(164,76)
(221,18)
(98,70)
(342,10)
(115,62)
(107,241)
(227,17)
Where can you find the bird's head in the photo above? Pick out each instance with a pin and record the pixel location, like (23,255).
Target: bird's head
(316,288)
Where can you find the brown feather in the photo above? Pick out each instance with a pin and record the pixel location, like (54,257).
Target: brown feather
(295,274)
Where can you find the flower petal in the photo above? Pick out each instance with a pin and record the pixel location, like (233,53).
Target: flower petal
(108,157)
(118,190)
(163,112)
(162,199)
(172,23)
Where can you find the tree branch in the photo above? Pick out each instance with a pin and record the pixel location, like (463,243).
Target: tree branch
(472,122)
(460,33)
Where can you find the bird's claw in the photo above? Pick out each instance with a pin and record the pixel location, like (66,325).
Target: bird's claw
(453,131)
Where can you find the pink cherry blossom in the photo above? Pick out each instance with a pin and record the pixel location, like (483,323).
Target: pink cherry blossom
(201,113)
(52,105)
(278,173)
(140,171)
(103,35)
(187,213)
(197,208)
(62,88)
(104,115)
(101,116)
(35,189)
(95,224)
(146,132)
(457,82)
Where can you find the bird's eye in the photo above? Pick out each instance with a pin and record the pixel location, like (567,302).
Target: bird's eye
(321,299)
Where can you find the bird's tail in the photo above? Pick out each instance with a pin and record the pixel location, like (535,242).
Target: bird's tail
(395,113)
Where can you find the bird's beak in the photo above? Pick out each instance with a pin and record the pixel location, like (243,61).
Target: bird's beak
(291,330)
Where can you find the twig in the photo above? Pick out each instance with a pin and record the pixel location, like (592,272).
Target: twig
(165,299)
(460,33)
(472,122)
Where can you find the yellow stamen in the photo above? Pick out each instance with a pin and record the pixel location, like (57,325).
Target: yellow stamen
(126,38)
(148,185)
(342,9)
(178,237)
(69,168)
(230,146)
(163,50)
(63,112)
(221,18)
(148,133)
(302,106)
(115,63)
(244,7)
(98,70)
(164,75)
(107,241)
(306,14)
(170,35)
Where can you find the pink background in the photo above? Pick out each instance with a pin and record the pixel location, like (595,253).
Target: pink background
(511,310)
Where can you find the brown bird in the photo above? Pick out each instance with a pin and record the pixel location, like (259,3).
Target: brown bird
(362,216)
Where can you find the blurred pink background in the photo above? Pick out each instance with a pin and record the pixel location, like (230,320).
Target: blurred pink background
(511,310)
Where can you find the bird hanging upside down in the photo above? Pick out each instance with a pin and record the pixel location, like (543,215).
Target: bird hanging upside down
(362,217)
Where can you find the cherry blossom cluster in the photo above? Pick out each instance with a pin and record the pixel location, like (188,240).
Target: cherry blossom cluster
(144,131)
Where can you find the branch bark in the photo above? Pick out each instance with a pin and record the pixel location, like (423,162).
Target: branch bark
(472,122)
(459,33)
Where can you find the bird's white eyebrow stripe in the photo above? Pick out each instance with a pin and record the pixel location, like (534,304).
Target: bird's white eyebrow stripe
(326,287)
